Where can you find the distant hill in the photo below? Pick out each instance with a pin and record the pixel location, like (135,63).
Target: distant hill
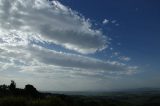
(29,96)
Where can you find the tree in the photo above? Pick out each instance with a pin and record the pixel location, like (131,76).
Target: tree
(12,86)
(31,90)
(3,87)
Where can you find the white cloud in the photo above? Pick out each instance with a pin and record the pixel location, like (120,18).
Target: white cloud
(36,60)
(124,58)
(114,22)
(53,22)
(105,21)
(74,61)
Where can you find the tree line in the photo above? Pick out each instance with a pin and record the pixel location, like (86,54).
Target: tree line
(29,90)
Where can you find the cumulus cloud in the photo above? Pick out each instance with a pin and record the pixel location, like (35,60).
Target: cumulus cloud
(53,22)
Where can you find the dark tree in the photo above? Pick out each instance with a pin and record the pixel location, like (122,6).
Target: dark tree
(31,90)
(12,86)
(3,88)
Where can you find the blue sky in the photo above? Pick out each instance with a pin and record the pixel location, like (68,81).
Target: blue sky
(80,44)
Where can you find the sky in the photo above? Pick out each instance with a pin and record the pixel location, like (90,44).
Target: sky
(80,45)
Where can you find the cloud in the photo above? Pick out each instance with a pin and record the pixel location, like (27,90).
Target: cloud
(36,60)
(74,61)
(105,21)
(24,23)
(124,58)
(116,53)
(113,21)
(52,22)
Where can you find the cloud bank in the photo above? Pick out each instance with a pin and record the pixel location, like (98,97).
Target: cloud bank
(24,23)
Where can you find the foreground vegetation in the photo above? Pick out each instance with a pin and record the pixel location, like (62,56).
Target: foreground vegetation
(62,100)
(29,96)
